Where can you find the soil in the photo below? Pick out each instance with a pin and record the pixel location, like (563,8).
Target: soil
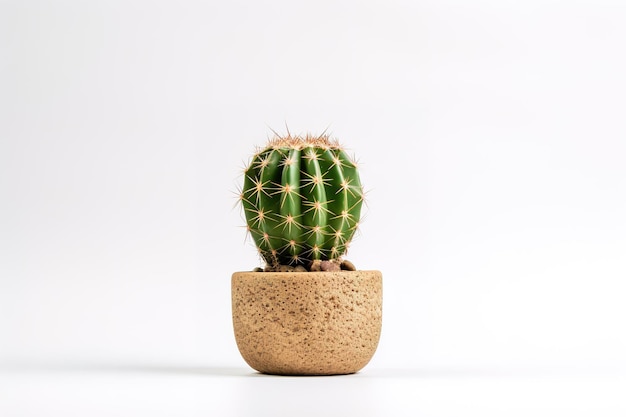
(314,266)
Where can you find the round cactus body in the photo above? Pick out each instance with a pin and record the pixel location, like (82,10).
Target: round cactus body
(302,200)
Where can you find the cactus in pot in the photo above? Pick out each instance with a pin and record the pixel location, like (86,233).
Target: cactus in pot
(302,200)
(309,312)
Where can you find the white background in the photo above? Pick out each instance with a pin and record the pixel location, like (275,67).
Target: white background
(491,136)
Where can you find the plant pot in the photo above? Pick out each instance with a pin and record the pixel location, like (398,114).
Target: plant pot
(307,323)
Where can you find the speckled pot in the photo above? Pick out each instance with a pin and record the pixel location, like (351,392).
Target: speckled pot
(307,323)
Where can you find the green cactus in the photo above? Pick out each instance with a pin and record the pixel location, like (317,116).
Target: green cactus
(302,200)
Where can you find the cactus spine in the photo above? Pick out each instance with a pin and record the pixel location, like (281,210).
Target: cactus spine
(302,200)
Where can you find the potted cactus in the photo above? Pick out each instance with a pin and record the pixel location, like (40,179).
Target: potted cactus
(309,311)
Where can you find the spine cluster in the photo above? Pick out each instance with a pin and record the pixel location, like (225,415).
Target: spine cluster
(302,200)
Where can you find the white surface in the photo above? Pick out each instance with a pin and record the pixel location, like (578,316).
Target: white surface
(127,390)
(492,140)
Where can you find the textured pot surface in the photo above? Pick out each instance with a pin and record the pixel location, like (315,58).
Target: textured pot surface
(307,323)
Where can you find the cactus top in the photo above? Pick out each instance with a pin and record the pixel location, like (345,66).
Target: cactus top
(302,200)
(299,142)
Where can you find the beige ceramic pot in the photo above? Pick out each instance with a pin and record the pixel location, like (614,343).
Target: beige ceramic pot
(307,323)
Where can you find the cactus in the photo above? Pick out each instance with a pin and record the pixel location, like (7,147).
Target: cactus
(302,200)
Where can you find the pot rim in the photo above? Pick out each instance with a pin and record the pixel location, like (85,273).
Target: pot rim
(361,271)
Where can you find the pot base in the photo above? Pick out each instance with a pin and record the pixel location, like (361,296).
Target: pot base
(307,323)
